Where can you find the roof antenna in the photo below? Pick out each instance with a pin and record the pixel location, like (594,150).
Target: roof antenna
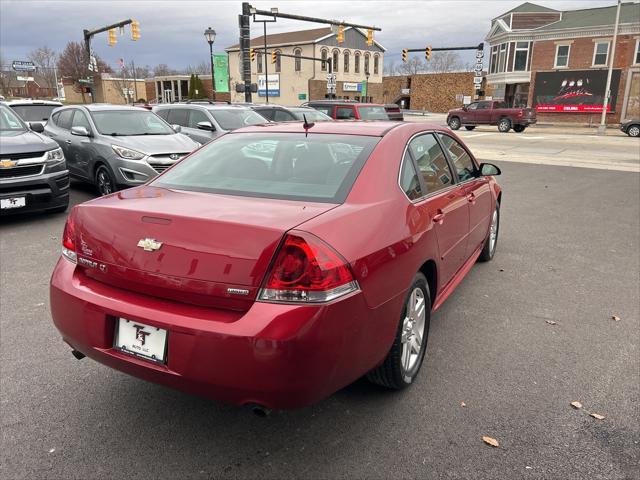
(306,125)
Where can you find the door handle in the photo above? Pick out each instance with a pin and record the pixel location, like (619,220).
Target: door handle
(471,198)
(68,141)
(438,217)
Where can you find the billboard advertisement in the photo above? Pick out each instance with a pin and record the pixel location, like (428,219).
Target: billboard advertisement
(574,91)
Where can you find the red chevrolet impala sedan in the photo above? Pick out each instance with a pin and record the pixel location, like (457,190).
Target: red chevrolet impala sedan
(280,262)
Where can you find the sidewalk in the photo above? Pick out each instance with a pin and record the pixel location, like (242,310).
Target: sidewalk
(551,128)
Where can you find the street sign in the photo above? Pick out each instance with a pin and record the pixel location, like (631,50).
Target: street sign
(302,96)
(24,79)
(23,66)
(85,80)
(477,80)
(479,54)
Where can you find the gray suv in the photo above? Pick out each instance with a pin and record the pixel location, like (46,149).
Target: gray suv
(115,146)
(33,173)
(204,121)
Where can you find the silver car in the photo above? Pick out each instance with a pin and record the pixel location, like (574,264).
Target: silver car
(204,121)
(37,111)
(115,146)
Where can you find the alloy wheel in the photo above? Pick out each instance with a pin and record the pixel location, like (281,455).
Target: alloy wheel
(413,330)
(454,124)
(504,125)
(634,131)
(105,184)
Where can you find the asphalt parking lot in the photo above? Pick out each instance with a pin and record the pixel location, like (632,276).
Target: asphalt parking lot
(521,338)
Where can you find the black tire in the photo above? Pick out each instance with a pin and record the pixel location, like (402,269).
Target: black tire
(454,123)
(391,373)
(519,128)
(489,250)
(504,125)
(633,130)
(104,181)
(469,127)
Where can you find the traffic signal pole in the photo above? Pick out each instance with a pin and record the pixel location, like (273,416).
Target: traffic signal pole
(88,35)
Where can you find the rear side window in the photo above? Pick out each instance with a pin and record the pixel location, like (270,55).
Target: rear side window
(345,113)
(318,168)
(267,113)
(64,120)
(432,163)
(283,116)
(178,116)
(326,109)
(409,179)
(163,113)
(373,113)
(460,158)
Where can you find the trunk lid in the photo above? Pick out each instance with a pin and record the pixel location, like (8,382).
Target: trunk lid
(197,248)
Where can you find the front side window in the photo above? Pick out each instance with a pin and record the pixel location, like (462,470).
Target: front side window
(345,113)
(178,116)
(600,54)
(562,56)
(462,161)
(291,166)
(283,116)
(130,122)
(64,120)
(472,106)
(484,105)
(409,179)
(432,163)
(195,117)
(356,64)
(521,56)
(373,113)
(80,120)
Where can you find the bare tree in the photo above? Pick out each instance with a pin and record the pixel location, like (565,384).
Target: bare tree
(143,72)
(4,76)
(45,61)
(203,68)
(390,69)
(163,69)
(443,62)
(73,64)
(412,66)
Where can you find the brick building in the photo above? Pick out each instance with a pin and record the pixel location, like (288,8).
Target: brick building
(26,85)
(293,81)
(557,61)
(175,88)
(433,92)
(108,89)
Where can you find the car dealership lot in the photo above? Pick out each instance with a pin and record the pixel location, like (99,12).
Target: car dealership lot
(568,253)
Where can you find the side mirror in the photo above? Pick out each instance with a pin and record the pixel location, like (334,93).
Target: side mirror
(206,126)
(464,107)
(176,128)
(489,169)
(80,131)
(36,127)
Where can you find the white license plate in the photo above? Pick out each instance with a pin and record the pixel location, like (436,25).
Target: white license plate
(142,340)
(14,202)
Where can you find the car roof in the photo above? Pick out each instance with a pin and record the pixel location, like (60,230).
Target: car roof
(34,102)
(207,106)
(363,128)
(99,107)
(345,103)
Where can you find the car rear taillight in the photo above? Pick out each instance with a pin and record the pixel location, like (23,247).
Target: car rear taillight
(307,270)
(68,239)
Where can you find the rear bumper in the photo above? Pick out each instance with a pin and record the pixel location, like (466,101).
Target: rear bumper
(279,356)
(41,192)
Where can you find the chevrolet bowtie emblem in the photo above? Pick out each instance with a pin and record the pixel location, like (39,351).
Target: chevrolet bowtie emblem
(149,244)
(7,163)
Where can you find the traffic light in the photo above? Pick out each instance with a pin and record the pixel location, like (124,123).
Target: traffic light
(135,30)
(427,53)
(369,37)
(340,35)
(112,37)
(405,54)
(274,56)
(252,54)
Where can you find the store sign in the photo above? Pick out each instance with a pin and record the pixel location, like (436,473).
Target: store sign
(221,72)
(302,96)
(274,85)
(351,87)
(581,91)
(23,66)
(24,79)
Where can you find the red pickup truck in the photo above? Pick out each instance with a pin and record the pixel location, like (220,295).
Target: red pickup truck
(491,113)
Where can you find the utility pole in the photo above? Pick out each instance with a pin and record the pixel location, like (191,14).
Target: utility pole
(135,81)
(602,128)
(264,37)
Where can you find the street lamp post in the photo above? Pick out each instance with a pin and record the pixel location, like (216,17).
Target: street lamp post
(210,35)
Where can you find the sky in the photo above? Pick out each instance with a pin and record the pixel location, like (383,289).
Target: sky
(172,32)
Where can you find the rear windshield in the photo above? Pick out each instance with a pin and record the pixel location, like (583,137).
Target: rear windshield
(236,118)
(373,113)
(34,113)
(318,168)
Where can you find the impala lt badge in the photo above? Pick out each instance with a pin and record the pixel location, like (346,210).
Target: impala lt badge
(149,244)
(237,291)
